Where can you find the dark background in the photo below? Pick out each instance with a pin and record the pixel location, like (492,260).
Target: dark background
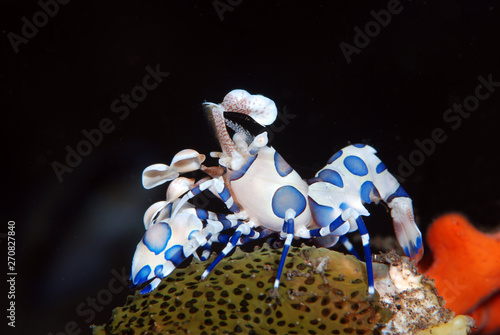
(71,234)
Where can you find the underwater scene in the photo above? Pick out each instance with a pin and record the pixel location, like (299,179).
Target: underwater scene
(251,167)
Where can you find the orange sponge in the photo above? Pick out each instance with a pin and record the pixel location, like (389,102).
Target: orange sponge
(487,315)
(466,266)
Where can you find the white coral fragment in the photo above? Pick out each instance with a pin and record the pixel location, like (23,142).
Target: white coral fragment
(414,300)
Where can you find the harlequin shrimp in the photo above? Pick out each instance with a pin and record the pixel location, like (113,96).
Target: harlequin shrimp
(264,195)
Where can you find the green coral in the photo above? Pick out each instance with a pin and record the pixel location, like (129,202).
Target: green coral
(321,292)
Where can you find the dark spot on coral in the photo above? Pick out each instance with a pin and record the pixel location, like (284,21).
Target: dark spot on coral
(364,311)
(301,267)
(312,299)
(260,284)
(325,312)
(309,281)
(210,296)
(269,321)
(334,316)
(222,314)
(338,292)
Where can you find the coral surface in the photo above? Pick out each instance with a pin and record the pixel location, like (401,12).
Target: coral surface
(322,292)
